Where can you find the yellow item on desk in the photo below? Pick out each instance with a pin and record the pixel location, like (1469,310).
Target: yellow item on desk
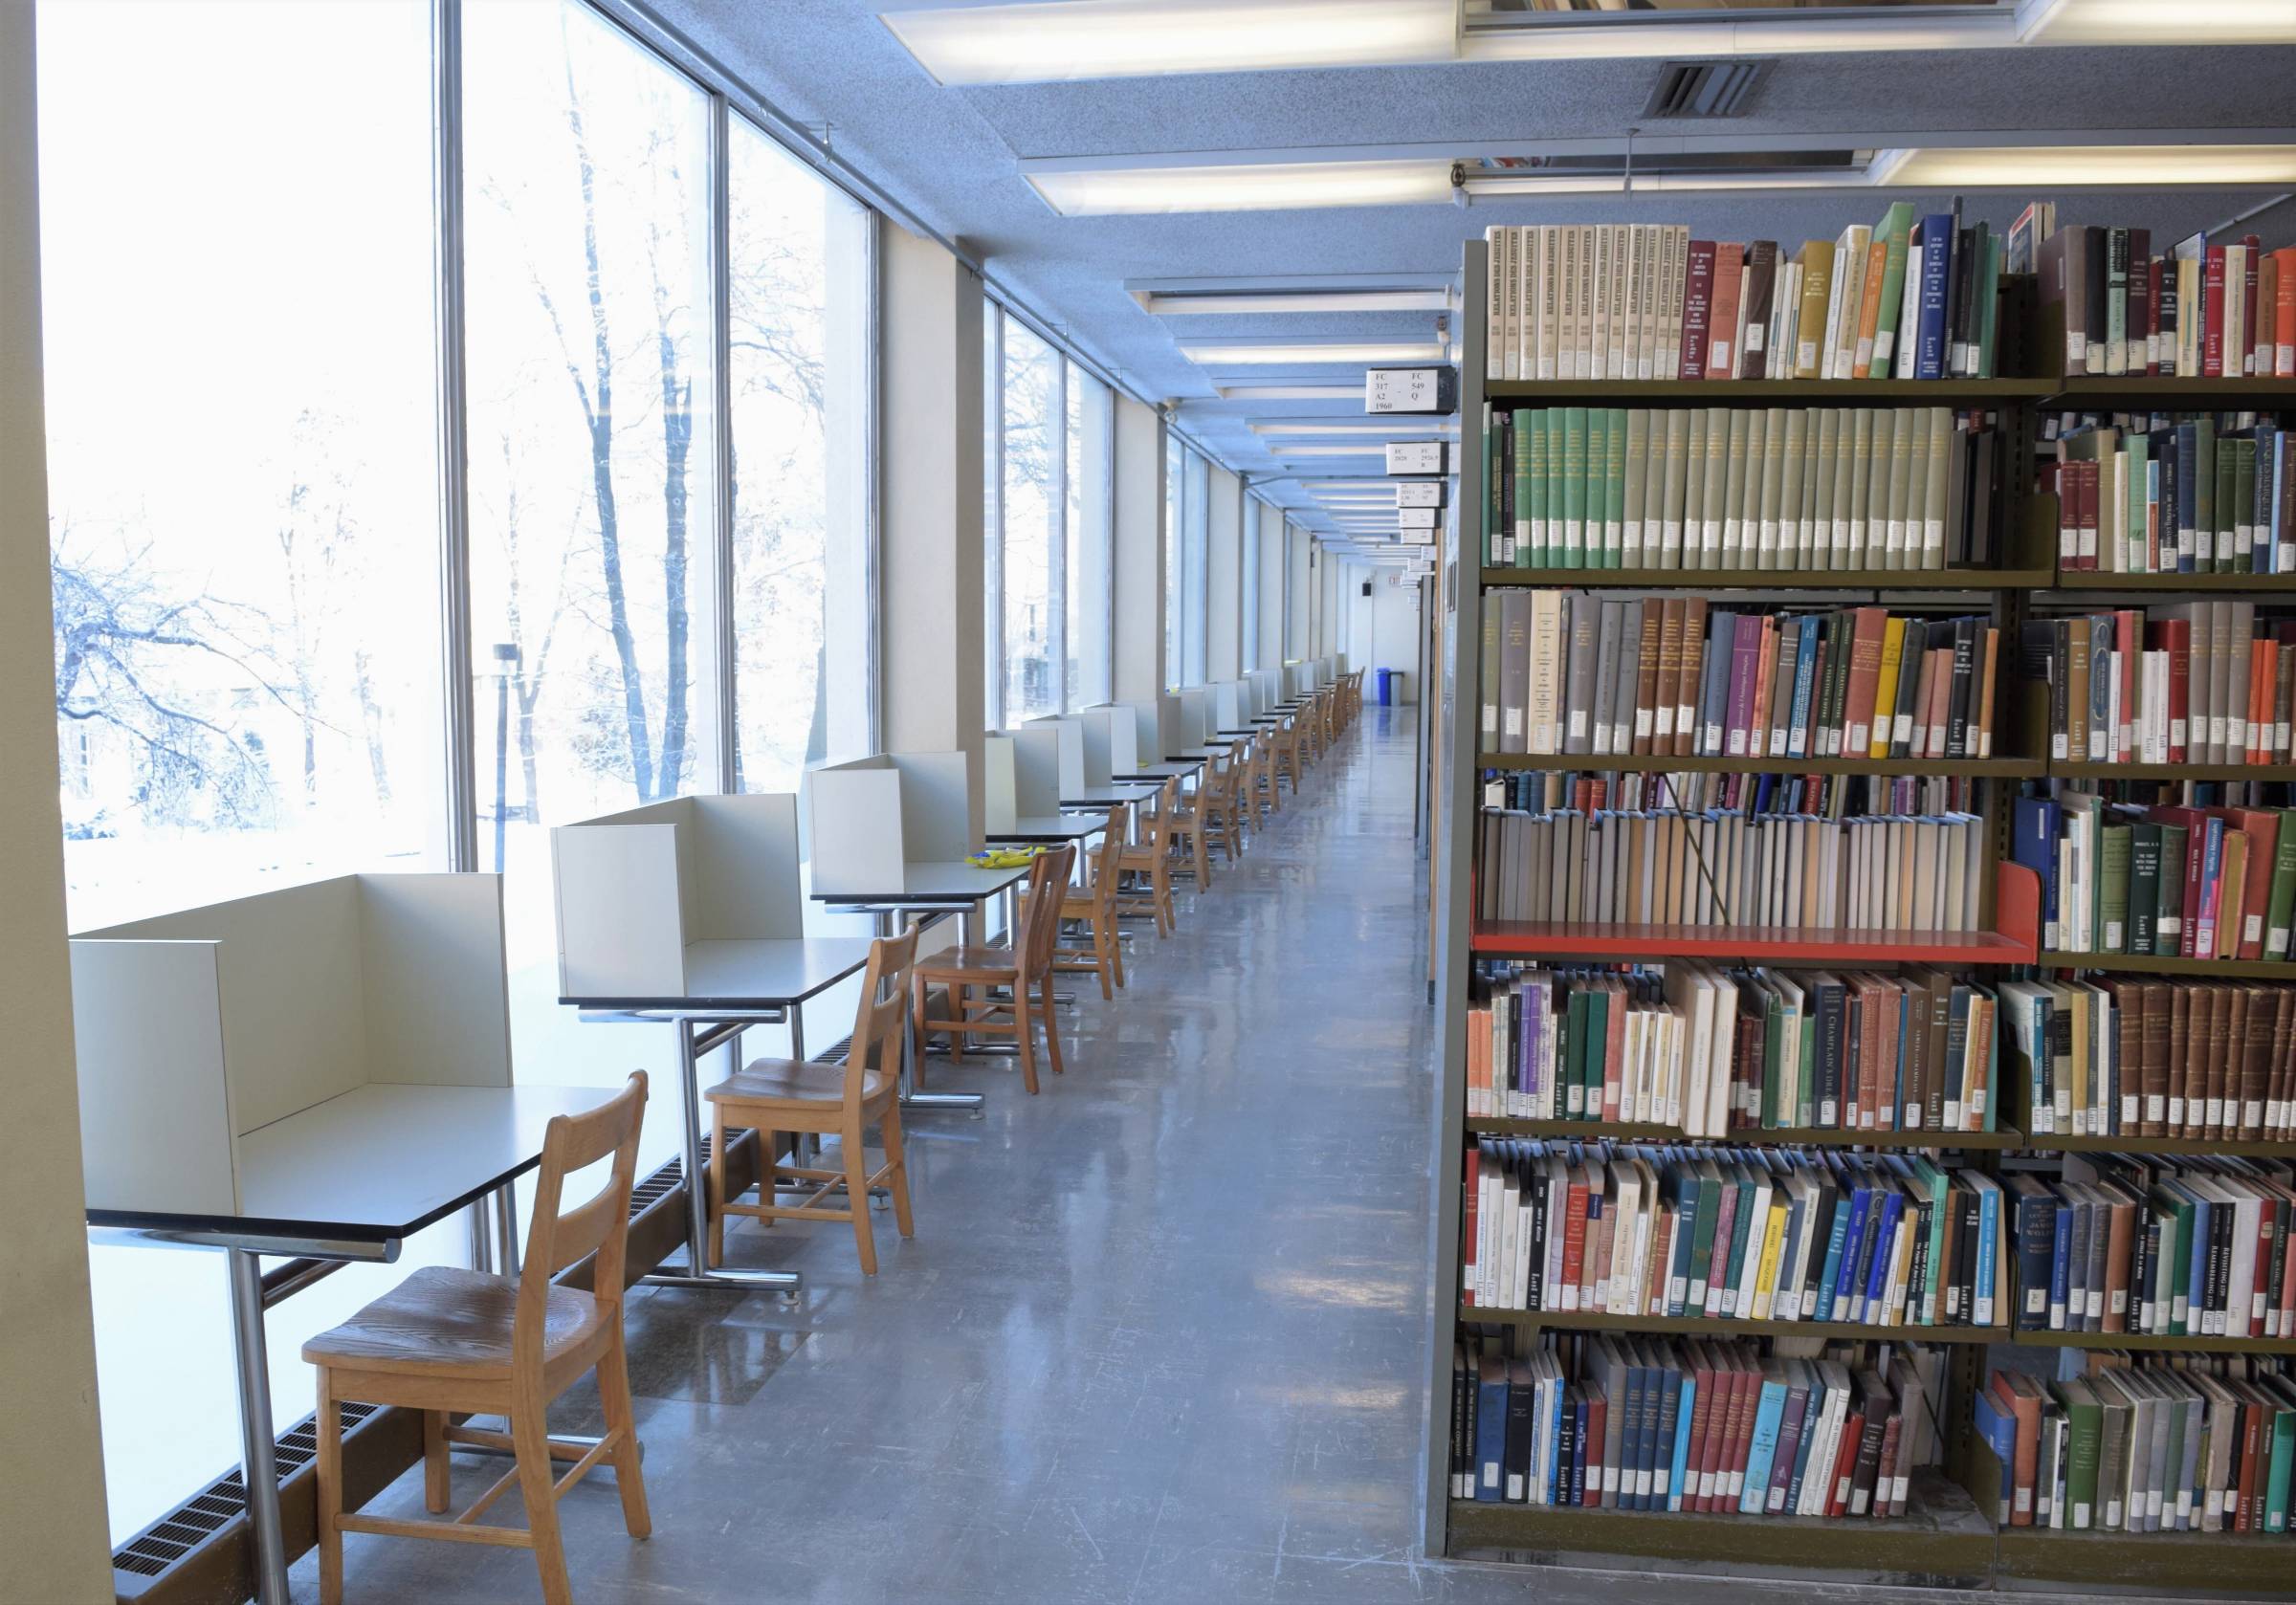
(1002,858)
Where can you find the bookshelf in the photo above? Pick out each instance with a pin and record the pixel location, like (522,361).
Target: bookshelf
(1949,1532)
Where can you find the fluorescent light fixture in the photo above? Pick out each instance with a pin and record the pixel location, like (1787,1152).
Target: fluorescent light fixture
(1369,449)
(1307,354)
(1291,392)
(1983,27)
(1545,184)
(1131,39)
(1299,301)
(1240,186)
(2123,166)
(2157,22)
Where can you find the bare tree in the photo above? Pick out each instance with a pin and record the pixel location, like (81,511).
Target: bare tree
(677,444)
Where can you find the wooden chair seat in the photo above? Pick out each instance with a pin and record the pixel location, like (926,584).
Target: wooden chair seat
(447,1322)
(994,965)
(945,981)
(786,1081)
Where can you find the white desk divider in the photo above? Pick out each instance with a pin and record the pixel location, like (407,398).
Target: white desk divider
(635,887)
(999,785)
(1169,735)
(1100,753)
(195,1029)
(936,811)
(1117,739)
(1067,731)
(853,818)
(1229,709)
(1195,717)
(1041,752)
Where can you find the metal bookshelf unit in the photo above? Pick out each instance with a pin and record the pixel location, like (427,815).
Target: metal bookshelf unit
(1949,1534)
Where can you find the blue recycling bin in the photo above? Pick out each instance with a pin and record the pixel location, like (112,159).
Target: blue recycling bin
(1387,679)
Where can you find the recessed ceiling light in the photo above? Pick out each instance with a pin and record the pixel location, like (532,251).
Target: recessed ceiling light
(2123,166)
(1305,354)
(1130,38)
(1238,186)
(1168,305)
(1369,449)
(1289,392)
(2149,22)
(1573,40)
(1384,431)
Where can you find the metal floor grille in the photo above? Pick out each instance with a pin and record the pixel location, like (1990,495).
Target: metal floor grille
(219,1504)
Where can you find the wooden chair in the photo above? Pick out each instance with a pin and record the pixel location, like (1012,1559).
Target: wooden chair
(771,1096)
(1284,756)
(1025,969)
(1185,835)
(1219,808)
(462,1341)
(1264,798)
(1149,859)
(1092,909)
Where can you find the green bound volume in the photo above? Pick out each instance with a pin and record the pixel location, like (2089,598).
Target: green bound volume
(2085,1417)
(2144,886)
(1773,1044)
(1535,553)
(1490,493)
(2167,924)
(2112,890)
(1896,231)
(2280,909)
(1614,488)
(1574,487)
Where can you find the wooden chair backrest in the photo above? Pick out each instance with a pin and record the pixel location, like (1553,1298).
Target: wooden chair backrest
(881,1019)
(558,1236)
(1157,832)
(1105,871)
(1040,920)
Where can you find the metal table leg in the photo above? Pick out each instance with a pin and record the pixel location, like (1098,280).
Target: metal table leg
(506,1231)
(698,1273)
(259,1469)
(911,1048)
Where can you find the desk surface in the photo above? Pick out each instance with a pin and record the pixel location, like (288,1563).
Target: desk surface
(764,973)
(932,886)
(1051,827)
(1109,796)
(1182,767)
(380,1162)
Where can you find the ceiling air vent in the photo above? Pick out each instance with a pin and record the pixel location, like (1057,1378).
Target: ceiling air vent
(1705,88)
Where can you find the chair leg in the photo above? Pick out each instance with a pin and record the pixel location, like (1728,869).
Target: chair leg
(1116,947)
(769,1159)
(1052,1026)
(530,1437)
(1204,858)
(1024,1035)
(897,1152)
(718,1185)
(856,1191)
(436,1484)
(613,1394)
(1102,942)
(328,1430)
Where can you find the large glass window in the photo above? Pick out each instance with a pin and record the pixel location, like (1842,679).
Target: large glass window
(1195,569)
(799,369)
(1034,509)
(1250,605)
(1091,534)
(1176,477)
(244,525)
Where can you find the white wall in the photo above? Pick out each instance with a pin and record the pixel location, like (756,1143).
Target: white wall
(1223,579)
(1383,628)
(53,1529)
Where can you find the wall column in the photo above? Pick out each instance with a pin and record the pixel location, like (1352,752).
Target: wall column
(1223,579)
(1274,541)
(931,558)
(1139,539)
(52,1524)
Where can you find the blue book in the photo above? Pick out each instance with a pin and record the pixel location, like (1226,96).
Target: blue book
(1630,1443)
(2061,1261)
(2195,1295)
(1685,1231)
(1671,1386)
(1812,1411)
(1555,1476)
(1685,1406)
(1936,282)
(2033,843)
(1491,1428)
(1582,1453)
(1836,1241)
(1885,1238)
(1989,1228)
(1805,675)
(1763,1446)
(1997,1430)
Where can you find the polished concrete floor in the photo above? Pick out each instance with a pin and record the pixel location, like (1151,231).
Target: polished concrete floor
(1160,1336)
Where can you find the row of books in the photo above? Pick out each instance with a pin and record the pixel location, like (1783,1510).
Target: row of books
(1711,1427)
(2120,1243)
(2139,1446)
(1713,1052)
(2203,311)
(2193,682)
(2130,1056)
(1574,674)
(1698,791)
(1751,1234)
(1909,298)
(2180,882)
(1792,871)
(1782,488)
(2186,496)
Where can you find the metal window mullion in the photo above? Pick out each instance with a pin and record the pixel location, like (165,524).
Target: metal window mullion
(872,469)
(724,656)
(457,686)
(992,537)
(1105,684)
(1057,539)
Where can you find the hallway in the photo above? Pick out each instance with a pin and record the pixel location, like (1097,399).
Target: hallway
(1160,1334)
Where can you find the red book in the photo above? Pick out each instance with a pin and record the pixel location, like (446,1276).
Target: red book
(1597,1416)
(2195,834)
(1614,1053)
(1697,305)
(1765,672)
(2176,640)
(1868,626)
(2283,314)
(2249,1499)
(1845,1459)
(1702,1413)
(2261,827)
(1722,332)
(1573,1235)
(2212,327)
(1941,697)
(1466,1270)
(2140,296)
(1892,1434)
(1745,1384)
(2263,679)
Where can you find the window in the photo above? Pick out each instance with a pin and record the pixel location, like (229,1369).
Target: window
(1176,477)
(241,416)
(1195,569)
(1092,536)
(799,369)
(1251,592)
(1034,542)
